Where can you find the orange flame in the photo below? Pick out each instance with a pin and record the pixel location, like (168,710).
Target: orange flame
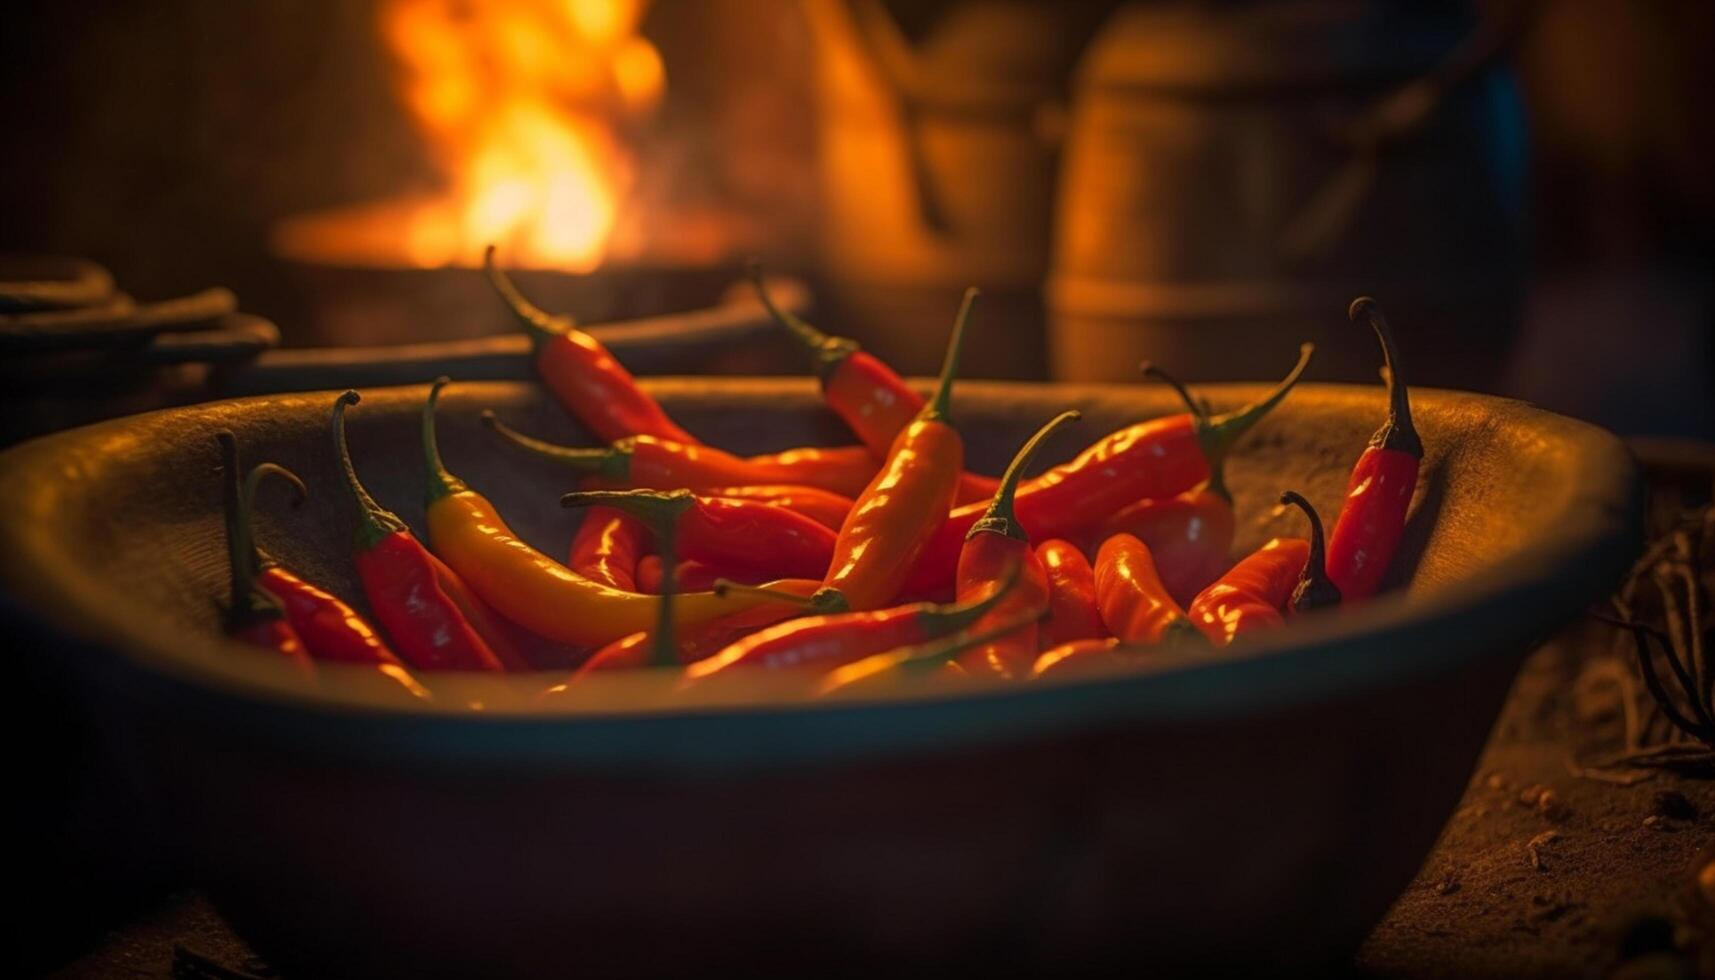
(523,103)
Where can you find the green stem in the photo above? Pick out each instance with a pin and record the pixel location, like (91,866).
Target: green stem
(441,483)
(538,323)
(1218,433)
(826,352)
(373,521)
(1314,590)
(939,407)
(612,463)
(249,602)
(1397,433)
(1199,411)
(945,619)
(1001,517)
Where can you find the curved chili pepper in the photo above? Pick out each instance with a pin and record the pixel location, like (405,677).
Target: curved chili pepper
(608,548)
(648,463)
(824,642)
(879,672)
(861,389)
(527,586)
(252,615)
(742,534)
(582,374)
(1072,613)
(899,512)
(1372,519)
(1090,655)
(1134,604)
(404,583)
(1252,594)
(1154,459)
(995,546)
(635,650)
(825,507)
(1314,588)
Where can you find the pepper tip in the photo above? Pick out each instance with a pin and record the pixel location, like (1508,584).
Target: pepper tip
(1361,307)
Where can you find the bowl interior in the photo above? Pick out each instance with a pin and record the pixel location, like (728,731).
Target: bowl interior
(118,539)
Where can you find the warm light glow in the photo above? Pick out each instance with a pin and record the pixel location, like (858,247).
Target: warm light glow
(523,103)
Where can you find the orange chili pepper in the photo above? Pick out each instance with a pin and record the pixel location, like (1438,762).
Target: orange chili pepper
(527,586)
(582,374)
(1134,604)
(743,534)
(995,546)
(1252,594)
(648,463)
(879,672)
(1315,588)
(1089,655)
(870,396)
(1072,613)
(907,502)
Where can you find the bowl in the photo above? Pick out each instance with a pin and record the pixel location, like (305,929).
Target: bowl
(1256,809)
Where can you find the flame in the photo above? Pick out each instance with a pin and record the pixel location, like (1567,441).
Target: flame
(524,104)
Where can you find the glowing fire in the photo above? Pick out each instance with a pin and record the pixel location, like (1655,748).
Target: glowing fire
(524,104)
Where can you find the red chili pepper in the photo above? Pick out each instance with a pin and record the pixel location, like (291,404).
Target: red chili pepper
(693,576)
(403,582)
(1372,520)
(994,547)
(608,547)
(861,389)
(895,517)
(825,507)
(1314,589)
(1072,613)
(1090,655)
(824,642)
(252,615)
(1150,460)
(1134,604)
(741,534)
(583,375)
(1252,594)
(880,672)
(648,463)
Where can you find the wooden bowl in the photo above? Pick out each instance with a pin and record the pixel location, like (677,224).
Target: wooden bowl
(1256,808)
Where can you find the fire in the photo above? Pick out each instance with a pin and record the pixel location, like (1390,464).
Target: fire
(525,105)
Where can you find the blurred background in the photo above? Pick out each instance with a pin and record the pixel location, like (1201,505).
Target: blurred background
(1529,188)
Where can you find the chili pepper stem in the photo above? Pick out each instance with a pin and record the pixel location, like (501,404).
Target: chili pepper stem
(1398,432)
(248,600)
(826,352)
(1218,433)
(1199,411)
(1314,590)
(943,618)
(939,406)
(441,483)
(1001,517)
(608,463)
(538,323)
(373,522)
(726,586)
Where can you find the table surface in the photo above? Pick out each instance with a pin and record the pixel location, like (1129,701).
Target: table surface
(1593,881)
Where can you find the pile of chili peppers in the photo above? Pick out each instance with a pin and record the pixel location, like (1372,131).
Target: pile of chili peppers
(853,568)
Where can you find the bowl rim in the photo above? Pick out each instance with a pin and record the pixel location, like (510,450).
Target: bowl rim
(1545,582)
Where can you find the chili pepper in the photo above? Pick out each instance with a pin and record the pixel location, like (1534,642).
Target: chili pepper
(586,379)
(879,672)
(738,534)
(898,513)
(861,389)
(1251,595)
(252,615)
(1088,655)
(1372,519)
(824,642)
(1154,459)
(648,463)
(1314,589)
(825,507)
(608,547)
(401,579)
(1072,613)
(994,545)
(527,586)
(634,651)
(1134,604)
(693,576)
